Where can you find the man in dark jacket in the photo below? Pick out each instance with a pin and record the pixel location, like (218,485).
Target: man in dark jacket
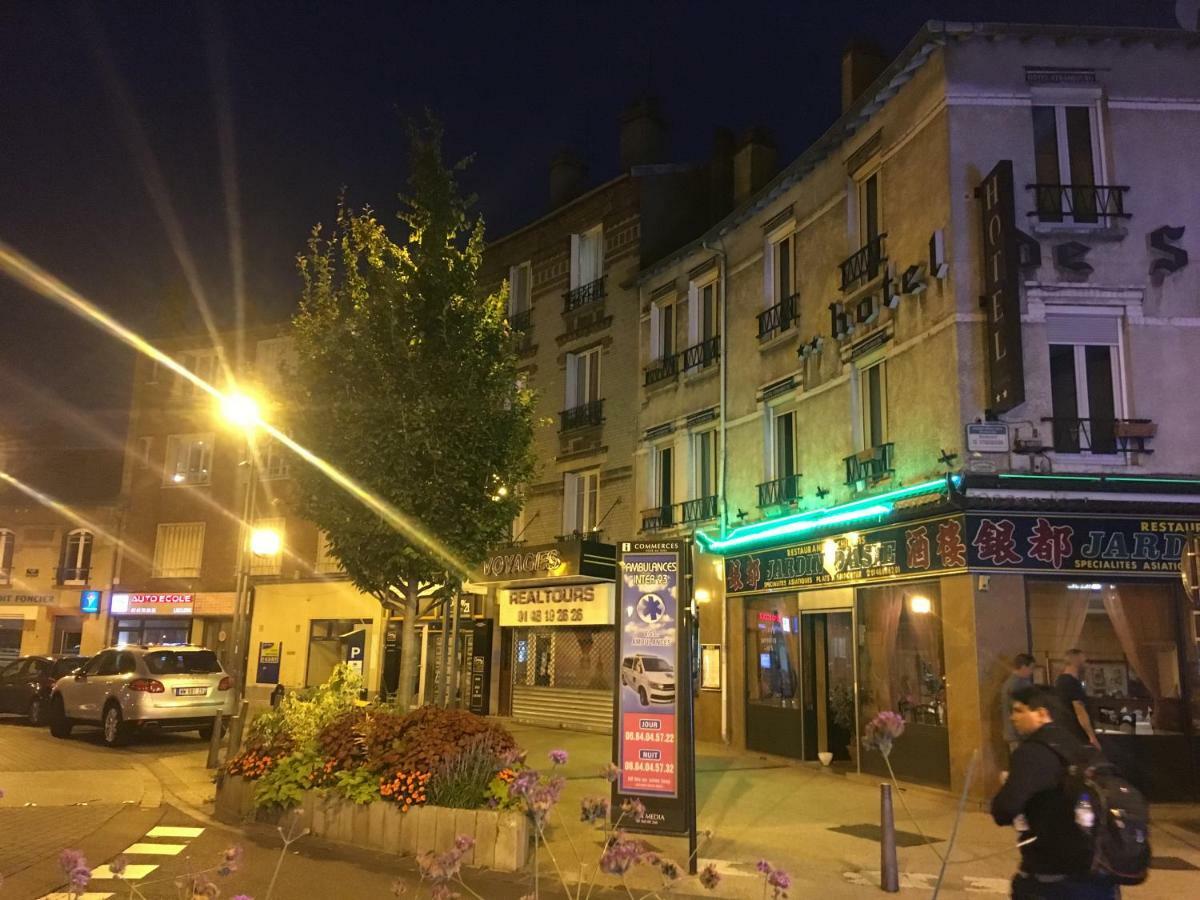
(1055,854)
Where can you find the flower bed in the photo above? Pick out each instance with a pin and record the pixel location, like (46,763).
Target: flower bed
(370,775)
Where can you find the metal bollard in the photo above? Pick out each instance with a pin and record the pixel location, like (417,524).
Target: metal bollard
(889,870)
(214,741)
(236,727)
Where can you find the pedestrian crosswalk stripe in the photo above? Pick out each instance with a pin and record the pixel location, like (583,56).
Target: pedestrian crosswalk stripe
(133,872)
(161,831)
(155,849)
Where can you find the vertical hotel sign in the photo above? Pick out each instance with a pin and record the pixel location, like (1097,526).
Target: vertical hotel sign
(1001,289)
(652,728)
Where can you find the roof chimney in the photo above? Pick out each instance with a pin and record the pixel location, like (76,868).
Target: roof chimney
(643,134)
(567,173)
(753,163)
(862,62)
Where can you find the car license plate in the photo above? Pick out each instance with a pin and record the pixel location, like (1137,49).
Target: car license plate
(191,692)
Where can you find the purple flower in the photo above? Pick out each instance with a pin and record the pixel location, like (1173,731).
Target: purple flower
(231,861)
(593,809)
(117,866)
(670,870)
(399,888)
(70,860)
(764,867)
(619,854)
(882,731)
(558,757)
(710,877)
(779,879)
(524,782)
(79,878)
(241,897)
(610,772)
(464,842)
(633,807)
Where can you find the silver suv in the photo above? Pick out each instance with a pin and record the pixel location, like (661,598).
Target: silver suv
(175,687)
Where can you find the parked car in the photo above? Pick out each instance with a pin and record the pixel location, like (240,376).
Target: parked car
(176,688)
(652,677)
(26,684)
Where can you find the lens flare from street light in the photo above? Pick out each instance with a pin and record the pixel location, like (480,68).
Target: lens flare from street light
(240,410)
(265,542)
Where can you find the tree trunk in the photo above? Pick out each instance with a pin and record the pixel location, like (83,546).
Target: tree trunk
(408,644)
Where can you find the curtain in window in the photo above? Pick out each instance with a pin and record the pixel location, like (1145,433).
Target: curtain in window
(881,610)
(1056,616)
(1142,617)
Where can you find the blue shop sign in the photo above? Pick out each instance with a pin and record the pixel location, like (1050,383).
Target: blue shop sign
(89,601)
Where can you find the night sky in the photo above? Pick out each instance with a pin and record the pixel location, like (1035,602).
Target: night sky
(318,92)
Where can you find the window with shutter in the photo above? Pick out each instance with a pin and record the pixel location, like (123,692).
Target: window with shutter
(270,564)
(178,550)
(1085,382)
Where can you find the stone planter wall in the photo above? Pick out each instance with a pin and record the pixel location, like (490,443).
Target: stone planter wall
(502,838)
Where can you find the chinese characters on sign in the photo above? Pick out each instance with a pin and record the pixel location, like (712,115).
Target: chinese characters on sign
(570,604)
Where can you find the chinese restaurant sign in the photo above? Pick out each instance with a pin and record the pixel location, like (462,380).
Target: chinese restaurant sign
(568,604)
(910,550)
(1112,546)
(652,732)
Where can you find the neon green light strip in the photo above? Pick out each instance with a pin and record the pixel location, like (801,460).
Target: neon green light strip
(1054,477)
(1146,480)
(770,531)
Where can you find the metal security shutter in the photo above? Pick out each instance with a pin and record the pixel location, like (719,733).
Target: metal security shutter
(1095,330)
(563,708)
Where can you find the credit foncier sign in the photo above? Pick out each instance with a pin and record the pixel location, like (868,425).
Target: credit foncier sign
(567,604)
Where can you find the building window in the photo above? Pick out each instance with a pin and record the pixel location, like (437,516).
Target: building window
(587,257)
(583,378)
(1085,393)
(327,563)
(870,216)
(275,462)
(189,459)
(520,287)
(270,564)
(781,271)
(783,444)
(581,500)
(662,329)
(75,564)
(704,320)
(7,543)
(270,358)
(872,384)
(704,464)
(202,364)
(179,550)
(1066,164)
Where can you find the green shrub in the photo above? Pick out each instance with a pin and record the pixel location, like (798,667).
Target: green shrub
(463,780)
(359,785)
(284,784)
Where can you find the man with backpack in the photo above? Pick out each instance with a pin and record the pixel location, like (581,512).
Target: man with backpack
(1084,830)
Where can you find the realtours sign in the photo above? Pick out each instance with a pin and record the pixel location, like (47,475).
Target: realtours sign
(565,604)
(652,726)
(1001,289)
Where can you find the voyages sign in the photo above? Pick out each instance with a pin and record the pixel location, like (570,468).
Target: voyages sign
(1079,544)
(566,559)
(909,550)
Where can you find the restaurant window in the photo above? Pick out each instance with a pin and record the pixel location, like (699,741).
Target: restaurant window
(773,651)
(902,669)
(1129,636)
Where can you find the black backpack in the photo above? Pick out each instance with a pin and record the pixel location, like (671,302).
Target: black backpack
(1112,814)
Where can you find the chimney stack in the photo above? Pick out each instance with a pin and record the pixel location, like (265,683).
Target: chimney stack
(862,62)
(567,174)
(643,134)
(753,163)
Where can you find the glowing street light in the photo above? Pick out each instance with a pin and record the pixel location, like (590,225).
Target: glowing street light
(265,542)
(240,409)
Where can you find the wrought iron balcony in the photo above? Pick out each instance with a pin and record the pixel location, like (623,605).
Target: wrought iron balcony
(585,416)
(1101,435)
(863,264)
(658,517)
(521,321)
(870,465)
(1082,204)
(662,369)
(702,355)
(780,491)
(67,574)
(778,318)
(592,292)
(700,509)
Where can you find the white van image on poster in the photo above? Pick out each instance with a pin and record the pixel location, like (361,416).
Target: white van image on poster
(651,677)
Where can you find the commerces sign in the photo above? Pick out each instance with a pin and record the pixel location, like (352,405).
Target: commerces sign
(567,604)
(566,559)
(151,604)
(652,726)
(909,550)
(1023,542)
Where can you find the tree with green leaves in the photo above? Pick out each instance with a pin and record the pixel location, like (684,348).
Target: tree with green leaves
(405,380)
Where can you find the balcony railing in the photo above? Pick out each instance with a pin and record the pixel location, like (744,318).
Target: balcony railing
(593,534)
(584,416)
(1082,204)
(521,321)
(863,264)
(67,574)
(662,369)
(701,355)
(700,509)
(658,517)
(592,292)
(870,465)
(1106,436)
(780,491)
(778,318)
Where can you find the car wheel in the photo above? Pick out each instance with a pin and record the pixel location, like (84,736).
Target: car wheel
(37,712)
(60,725)
(642,696)
(113,729)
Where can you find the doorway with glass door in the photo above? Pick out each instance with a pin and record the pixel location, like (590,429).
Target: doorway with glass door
(827,651)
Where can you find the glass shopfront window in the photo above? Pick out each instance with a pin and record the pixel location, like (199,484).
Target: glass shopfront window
(564,657)
(774,719)
(1137,639)
(902,669)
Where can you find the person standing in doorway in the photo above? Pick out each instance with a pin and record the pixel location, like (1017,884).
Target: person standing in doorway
(1021,676)
(1056,855)
(1069,688)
